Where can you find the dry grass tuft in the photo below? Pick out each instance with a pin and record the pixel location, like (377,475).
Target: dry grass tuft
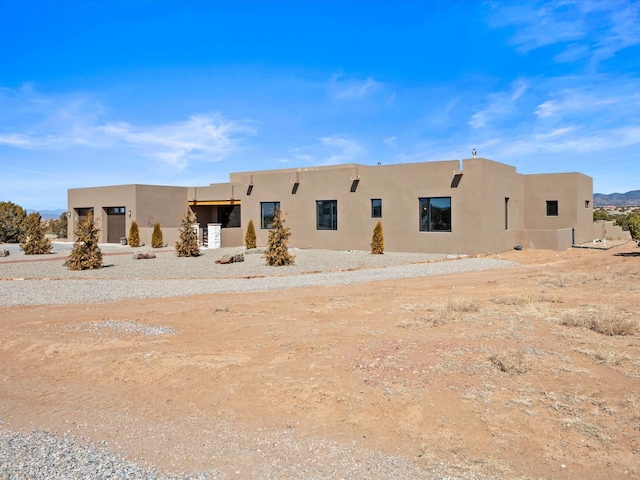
(568,279)
(512,362)
(462,305)
(587,428)
(606,357)
(520,300)
(605,322)
(452,311)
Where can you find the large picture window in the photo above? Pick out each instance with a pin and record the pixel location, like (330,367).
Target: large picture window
(267,211)
(327,214)
(229,216)
(435,214)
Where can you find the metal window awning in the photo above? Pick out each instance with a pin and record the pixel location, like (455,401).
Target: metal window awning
(213,202)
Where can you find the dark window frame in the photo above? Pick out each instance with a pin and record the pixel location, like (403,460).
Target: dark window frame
(327,210)
(434,217)
(506,213)
(264,214)
(552,208)
(376,210)
(84,211)
(115,210)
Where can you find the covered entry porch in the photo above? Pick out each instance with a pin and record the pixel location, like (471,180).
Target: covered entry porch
(226,213)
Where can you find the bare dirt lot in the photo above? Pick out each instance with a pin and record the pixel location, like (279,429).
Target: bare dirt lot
(531,371)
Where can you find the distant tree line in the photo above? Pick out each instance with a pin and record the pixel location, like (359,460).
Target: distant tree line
(629,222)
(621,219)
(15,224)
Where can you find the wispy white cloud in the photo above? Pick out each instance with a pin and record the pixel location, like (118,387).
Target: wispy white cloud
(331,150)
(567,140)
(202,137)
(15,140)
(390,142)
(342,150)
(499,105)
(538,23)
(579,101)
(57,123)
(596,30)
(342,88)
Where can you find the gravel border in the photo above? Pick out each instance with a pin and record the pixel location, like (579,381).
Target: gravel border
(45,281)
(277,455)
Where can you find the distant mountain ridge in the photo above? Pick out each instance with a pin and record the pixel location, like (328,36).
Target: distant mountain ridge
(47,214)
(629,199)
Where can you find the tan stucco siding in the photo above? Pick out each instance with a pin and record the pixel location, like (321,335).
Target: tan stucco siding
(482,221)
(147,203)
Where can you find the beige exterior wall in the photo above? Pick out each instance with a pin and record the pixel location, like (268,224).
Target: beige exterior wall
(574,194)
(148,204)
(560,239)
(607,230)
(100,198)
(482,219)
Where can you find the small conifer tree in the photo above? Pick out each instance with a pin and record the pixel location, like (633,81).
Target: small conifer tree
(86,254)
(377,242)
(277,253)
(33,238)
(156,237)
(250,236)
(11,218)
(134,235)
(634,227)
(187,246)
(58,227)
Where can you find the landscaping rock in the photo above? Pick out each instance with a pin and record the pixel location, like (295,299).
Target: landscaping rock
(238,257)
(143,255)
(4,253)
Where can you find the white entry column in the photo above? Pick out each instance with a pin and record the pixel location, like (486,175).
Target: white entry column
(214,233)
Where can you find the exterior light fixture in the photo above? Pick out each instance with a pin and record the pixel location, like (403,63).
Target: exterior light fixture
(129,213)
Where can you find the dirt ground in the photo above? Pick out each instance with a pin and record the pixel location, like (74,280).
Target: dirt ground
(501,372)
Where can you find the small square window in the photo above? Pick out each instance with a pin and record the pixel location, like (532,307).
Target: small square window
(376,208)
(552,208)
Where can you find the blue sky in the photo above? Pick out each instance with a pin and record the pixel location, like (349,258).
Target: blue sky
(182,93)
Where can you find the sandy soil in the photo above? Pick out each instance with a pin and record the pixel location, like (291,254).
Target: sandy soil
(409,367)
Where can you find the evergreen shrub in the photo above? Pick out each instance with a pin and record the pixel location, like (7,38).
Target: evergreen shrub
(134,235)
(86,254)
(277,252)
(188,246)
(377,242)
(33,239)
(156,238)
(250,236)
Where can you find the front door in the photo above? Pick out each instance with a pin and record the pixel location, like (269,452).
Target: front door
(116,224)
